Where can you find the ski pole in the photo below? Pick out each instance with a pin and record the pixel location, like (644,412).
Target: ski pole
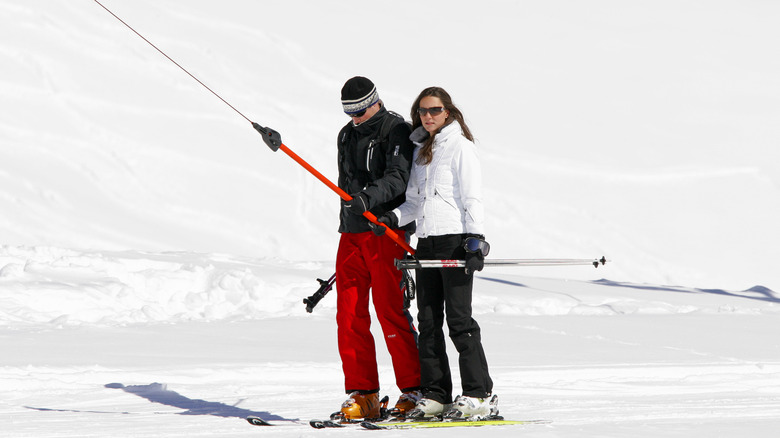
(421,264)
(273,140)
(325,287)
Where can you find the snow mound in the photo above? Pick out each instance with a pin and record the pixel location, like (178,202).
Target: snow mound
(54,287)
(68,287)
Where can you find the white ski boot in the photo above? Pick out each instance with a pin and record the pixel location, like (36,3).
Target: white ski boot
(427,408)
(473,408)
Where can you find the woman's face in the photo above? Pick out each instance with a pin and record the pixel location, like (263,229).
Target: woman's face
(432,113)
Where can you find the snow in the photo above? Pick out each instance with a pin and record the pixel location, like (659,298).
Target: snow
(154,252)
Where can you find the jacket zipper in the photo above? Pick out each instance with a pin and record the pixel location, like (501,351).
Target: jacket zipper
(369,155)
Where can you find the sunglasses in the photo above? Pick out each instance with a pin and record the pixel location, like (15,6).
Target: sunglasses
(358,114)
(435,111)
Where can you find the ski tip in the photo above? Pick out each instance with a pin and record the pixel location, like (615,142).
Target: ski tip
(371,426)
(326,424)
(257,421)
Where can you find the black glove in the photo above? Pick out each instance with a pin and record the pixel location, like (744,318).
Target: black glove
(476,249)
(358,205)
(389,219)
(475,261)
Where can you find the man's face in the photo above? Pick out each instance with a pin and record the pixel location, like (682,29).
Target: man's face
(370,111)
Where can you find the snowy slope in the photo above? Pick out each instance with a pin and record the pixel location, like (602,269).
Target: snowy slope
(644,132)
(154,252)
(185,344)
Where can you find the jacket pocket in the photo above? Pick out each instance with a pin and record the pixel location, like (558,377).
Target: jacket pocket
(445,199)
(369,160)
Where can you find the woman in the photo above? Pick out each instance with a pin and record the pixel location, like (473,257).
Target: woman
(444,197)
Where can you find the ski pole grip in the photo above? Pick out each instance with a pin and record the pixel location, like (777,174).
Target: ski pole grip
(271,138)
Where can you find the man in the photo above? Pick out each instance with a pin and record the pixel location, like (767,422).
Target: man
(374,159)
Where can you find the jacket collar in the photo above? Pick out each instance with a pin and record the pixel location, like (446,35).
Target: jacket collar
(372,124)
(419,135)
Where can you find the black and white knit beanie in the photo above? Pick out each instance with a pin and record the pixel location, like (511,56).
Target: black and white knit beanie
(358,94)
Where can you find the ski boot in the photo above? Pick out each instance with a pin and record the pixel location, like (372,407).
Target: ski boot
(473,408)
(427,408)
(406,402)
(361,407)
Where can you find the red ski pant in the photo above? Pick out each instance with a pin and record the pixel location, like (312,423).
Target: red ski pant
(364,263)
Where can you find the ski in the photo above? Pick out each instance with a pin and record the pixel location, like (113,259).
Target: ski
(257,421)
(317,424)
(336,423)
(498,421)
(325,424)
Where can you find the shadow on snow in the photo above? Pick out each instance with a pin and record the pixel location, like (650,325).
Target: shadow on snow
(759,293)
(158,393)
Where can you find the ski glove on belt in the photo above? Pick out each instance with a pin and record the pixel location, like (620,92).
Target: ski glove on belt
(475,261)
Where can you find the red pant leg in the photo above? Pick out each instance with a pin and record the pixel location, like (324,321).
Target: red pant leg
(387,295)
(356,344)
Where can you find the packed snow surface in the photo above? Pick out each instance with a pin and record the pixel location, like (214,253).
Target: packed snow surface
(154,253)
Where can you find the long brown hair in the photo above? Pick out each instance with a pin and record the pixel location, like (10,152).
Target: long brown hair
(426,151)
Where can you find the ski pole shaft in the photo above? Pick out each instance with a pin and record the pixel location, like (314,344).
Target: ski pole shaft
(421,264)
(273,140)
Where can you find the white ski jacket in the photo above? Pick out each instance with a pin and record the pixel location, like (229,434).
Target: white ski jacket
(444,196)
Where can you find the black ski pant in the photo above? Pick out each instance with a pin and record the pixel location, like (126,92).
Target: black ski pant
(440,292)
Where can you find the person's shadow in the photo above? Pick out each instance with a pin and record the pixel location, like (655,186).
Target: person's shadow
(159,393)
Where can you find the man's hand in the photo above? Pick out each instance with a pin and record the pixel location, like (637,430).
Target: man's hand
(358,205)
(389,219)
